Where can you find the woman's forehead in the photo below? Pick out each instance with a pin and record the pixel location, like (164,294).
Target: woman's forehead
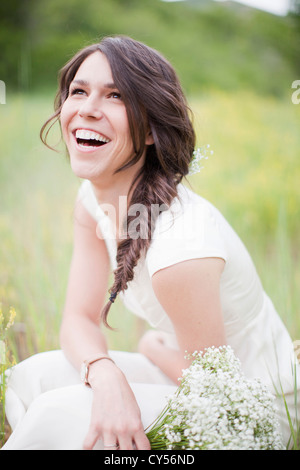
(95,68)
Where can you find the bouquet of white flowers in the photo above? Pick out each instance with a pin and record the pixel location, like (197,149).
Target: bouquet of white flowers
(217,407)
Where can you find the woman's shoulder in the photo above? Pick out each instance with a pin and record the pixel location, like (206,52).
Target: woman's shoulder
(188,229)
(190,199)
(188,214)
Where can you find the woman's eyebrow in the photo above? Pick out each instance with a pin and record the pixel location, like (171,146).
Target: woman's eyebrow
(110,85)
(80,82)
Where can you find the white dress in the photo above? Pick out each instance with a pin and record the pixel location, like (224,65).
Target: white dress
(48,408)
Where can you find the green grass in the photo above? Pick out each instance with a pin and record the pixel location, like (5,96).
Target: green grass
(253,177)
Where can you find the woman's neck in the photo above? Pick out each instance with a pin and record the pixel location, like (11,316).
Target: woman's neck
(114,199)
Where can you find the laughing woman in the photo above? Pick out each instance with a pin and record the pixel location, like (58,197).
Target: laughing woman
(126,126)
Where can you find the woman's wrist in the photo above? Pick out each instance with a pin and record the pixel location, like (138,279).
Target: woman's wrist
(101,370)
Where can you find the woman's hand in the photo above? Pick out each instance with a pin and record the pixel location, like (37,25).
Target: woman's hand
(158,347)
(151,341)
(116,418)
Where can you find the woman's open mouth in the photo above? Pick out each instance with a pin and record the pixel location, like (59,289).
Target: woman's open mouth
(89,139)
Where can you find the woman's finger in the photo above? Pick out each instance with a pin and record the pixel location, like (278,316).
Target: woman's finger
(90,440)
(126,443)
(115,446)
(110,441)
(141,441)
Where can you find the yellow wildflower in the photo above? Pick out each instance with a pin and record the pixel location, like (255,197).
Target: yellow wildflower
(12,316)
(1,316)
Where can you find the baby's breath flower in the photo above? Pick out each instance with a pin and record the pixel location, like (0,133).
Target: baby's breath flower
(199,154)
(217,407)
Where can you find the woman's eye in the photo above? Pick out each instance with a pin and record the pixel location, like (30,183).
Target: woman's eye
(115,95)
(77,91)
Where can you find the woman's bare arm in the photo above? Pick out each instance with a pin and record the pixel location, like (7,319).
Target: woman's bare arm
(115,413)
(80,335)
(189,292)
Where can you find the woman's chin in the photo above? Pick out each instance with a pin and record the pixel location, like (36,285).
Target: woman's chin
(83,170)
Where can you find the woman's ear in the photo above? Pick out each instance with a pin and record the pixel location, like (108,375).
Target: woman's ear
(149,138)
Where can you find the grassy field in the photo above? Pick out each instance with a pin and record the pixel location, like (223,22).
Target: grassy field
(253,177)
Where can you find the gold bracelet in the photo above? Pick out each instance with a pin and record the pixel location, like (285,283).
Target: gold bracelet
(86,366)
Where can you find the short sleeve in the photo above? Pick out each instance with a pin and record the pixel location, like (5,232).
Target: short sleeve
(185,231)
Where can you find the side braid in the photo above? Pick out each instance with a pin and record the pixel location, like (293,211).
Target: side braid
(154,189)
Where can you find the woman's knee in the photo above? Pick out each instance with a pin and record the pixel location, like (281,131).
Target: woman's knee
(56,420)
(40,373)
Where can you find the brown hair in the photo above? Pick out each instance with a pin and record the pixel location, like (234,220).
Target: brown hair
(154,100)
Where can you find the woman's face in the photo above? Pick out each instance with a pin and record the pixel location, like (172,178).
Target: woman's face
(94,122)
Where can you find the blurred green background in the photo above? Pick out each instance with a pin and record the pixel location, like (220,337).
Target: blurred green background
(237,66)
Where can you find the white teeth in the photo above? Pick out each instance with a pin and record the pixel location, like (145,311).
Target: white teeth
(90,135)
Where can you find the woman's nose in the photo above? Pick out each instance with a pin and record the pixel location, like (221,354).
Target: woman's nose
(90,108)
